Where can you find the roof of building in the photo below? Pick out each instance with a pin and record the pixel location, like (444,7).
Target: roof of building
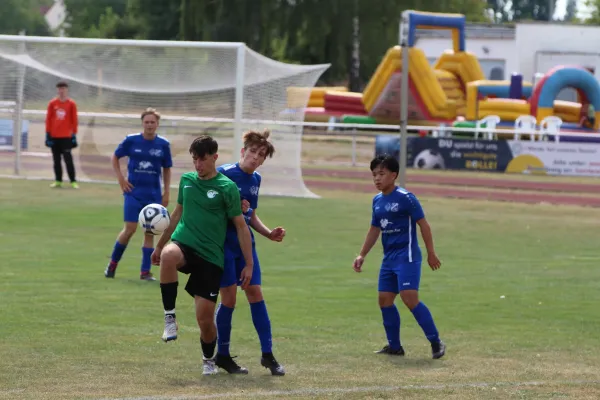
(473,31)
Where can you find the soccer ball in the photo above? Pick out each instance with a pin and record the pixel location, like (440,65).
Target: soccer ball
(154,219)
(429,159)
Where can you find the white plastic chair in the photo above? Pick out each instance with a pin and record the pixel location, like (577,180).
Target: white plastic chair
(525,125)
(551,126)
(490,123)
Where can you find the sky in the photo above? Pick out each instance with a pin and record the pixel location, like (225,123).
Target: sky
(561,6)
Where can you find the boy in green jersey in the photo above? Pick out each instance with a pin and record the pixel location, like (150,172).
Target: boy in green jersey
(207,201)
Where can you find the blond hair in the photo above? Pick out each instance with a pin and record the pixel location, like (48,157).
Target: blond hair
(151,111)
(255,138)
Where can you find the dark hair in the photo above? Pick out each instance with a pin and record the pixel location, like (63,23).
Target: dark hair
(204,145)
(151,111)
(254,138)
(62,84)
(385,161)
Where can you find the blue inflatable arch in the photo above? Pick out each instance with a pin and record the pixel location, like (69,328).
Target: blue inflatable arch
(573,77)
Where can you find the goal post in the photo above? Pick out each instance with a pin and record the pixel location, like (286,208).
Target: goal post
(218,88)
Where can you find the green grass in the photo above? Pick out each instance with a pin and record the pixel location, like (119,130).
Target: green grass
(69,333)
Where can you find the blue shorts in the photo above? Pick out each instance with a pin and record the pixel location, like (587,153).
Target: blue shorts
(398,277)
(234,263)
(132,207)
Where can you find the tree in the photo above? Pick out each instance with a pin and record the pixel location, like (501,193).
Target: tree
(85,16)
(571,11)
(19,15)
(536,10)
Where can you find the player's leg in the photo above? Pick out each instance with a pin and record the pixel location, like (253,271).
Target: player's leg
(388,290)
(261,321)
(409,277)
(57,163)
(147,250)
(131,209)
(224,315)
(147,247)
(203,285)
(68,157)
(173,257)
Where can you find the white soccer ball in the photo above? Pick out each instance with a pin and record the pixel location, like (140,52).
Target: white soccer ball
(154,219)
(429,159)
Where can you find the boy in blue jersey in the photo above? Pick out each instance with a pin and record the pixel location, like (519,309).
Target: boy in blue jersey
(148,154)
(256,149)
(396,213)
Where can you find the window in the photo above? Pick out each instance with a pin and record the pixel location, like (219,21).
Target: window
(493,69)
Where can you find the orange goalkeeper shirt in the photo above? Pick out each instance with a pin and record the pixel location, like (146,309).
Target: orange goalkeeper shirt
(61,118)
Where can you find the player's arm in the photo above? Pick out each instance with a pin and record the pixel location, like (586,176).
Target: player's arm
(175,217)
(121,151)
(370,240)
(417,214)
(166,235)
(166,165)
(234,213)
(74,118)
(243,234)
(432,258)
(49,116)
(275,235)
(167,186)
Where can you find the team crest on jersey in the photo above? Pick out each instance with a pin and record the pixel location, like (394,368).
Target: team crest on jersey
(254,190)
(211,194)
(60,113)
(384,222)
(155,152)
(393,207)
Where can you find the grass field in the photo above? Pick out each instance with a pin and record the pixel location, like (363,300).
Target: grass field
(69,333)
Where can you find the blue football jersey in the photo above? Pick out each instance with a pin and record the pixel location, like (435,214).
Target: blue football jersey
(146,160)
(396,214)
(249,186)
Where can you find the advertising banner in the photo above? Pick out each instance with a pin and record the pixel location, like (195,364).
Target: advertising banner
(550,158)
(6,134)
(513,156)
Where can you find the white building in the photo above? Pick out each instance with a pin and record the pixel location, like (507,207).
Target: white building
(527,48)
(56,16)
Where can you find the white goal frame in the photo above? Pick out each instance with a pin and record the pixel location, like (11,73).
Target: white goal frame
(239,83)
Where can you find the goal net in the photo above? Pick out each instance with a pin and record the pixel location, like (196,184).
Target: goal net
(221,89)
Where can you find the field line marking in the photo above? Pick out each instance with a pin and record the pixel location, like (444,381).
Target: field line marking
(357,389)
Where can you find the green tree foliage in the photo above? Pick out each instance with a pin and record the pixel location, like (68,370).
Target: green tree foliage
(571,12)
(19,15)
(300,31)
(521,10)
(594,7)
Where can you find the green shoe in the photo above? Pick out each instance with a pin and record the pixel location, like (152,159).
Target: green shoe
(56,184)
(74,185)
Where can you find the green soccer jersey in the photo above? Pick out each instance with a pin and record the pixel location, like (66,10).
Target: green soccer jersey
(207,207)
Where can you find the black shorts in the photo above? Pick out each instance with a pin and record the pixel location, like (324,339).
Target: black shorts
(205,277)
(62,145)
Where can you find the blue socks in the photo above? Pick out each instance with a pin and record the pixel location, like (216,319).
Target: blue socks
(146,264)
(425,321)
(117,253)
(391,323)
(223,319)
(261,321)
